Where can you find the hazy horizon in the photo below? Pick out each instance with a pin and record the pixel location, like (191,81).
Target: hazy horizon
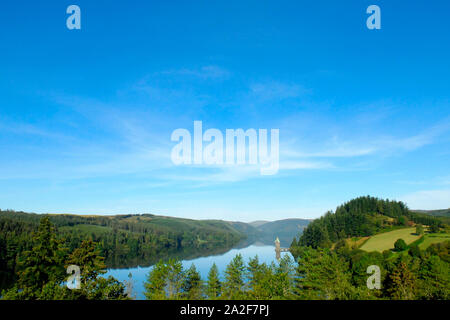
(186,217)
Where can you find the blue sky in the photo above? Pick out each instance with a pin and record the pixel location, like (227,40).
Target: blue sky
(86,115)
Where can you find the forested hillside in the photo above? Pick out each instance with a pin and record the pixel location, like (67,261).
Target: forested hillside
(437,213)
(335,251)
(361,217)
(124,240)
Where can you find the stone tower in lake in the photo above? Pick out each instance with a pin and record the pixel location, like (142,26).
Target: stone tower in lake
(277,244)
(277,249)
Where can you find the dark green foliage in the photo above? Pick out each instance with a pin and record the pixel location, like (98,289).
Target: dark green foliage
(322,274)
(87,255)
(402,221)
(414,251)
(281,279)
(213,286)
(42,271)
(156,282)
(233,286)
(193,284)
(359,261)
(400,245)
(419,229)
(360,217)
(165,281)
(434,279)
(123,240)
(45,261)
(401,281)
(404,276)
(434,228)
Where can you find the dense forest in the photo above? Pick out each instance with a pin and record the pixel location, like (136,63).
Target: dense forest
(319,274)
(41,270)
(122,240)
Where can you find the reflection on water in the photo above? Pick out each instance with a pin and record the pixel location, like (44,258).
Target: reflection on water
(124,261)
(265,253)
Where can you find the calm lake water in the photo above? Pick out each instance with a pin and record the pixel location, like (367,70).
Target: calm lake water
(265,253)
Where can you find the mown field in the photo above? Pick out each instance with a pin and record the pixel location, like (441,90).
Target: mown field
(385,241)
(434,238)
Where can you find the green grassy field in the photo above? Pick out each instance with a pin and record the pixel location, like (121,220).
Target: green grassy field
(434,238)
(385,241)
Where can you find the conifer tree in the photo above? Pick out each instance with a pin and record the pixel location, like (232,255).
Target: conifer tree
(45,261)
(233,287)
(401,282)
(213,286)
(193,284)
(88,258)
(155,285)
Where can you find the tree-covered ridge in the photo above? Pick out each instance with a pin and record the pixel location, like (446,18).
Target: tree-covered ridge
(439,213)
(170,231)
(122,240)
(360,217)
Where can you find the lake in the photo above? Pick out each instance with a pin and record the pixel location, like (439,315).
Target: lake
(265,253)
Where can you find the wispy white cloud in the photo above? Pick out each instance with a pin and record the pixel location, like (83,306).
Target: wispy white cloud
(26,129)
(338,151)
(138,132)
(436,181)
(335,147)
(416,141)
(304,165)
(273,90)
(205,73)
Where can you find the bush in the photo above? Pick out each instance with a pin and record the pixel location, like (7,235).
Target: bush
(403,221)
(419,229)
(414,251)
(400,245)
(434,228)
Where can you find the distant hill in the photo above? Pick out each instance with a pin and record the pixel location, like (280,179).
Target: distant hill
(285,230)
(267,231)
(131,239)
(128,239)
(436,213)
(258,223)
(247,229)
